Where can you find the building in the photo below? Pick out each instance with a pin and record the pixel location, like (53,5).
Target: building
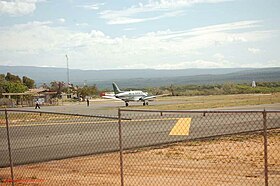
(28,98)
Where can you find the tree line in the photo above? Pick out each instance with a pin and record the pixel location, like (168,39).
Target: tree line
(11,83)
(216,89)
(81,92)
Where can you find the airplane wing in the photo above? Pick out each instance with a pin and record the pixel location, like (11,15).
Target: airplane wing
(148,98)
(163,95)
(152,97)
(112,97)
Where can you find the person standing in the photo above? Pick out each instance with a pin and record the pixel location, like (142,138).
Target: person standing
(37,104)
(87,102)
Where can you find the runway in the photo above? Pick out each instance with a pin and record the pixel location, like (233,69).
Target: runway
(110,108)
(56,139)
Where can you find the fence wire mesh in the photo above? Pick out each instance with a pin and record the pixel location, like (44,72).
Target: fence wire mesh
(141,148)
(273,148)
(199,148)
(44,137)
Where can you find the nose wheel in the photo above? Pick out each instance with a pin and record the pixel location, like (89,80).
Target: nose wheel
(126,104)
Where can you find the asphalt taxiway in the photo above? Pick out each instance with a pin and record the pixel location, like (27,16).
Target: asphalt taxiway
(55,139)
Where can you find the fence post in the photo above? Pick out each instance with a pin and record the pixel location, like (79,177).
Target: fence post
(121,146)
(9,148)
(265,147)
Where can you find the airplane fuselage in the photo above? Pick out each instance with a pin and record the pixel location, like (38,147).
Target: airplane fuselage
(131,96)
(127,96)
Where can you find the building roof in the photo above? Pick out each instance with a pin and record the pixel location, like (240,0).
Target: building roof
(33,92)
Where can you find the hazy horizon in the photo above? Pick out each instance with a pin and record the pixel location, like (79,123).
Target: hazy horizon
(140,68)
(145,77)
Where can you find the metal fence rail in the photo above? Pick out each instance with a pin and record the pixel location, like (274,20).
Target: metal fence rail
(140,147)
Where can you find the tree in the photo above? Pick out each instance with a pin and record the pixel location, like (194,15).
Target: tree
(30,83)
(2,81)
(58,86)
(45,86)
(87,91)
(12,78)
(11,87)
(11,84)
(2,78)
(171,88)
(229,88)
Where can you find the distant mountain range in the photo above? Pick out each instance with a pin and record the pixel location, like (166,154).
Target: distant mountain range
(138,78)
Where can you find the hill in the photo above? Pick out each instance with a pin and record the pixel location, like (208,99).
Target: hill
(138,78)
(246,76)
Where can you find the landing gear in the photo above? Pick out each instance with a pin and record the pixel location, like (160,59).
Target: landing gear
(126,104)
(145,103)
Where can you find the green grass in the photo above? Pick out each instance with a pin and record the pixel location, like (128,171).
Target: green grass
(215,101)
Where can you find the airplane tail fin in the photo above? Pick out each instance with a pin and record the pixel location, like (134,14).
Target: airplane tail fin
(116,88)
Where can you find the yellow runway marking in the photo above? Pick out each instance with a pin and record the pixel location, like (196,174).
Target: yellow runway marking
(85,122)
(182,127)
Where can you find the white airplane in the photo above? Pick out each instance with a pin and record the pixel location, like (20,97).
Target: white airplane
(127,96)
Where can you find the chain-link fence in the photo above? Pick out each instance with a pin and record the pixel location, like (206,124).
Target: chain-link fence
(200,147)
(37,137)
(141,147)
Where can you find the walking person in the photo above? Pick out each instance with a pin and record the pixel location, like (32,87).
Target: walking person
(87,102)
(37,104)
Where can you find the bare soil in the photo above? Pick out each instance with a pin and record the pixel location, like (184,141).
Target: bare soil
(234,160)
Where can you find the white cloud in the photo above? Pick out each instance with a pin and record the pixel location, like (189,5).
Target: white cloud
(227,26)
(92,6)
(254,50)
(171,4)
(129,29)
(82,24)
(220,28)
(166,8)
(273,63)
(31,37)
(219,56)
(39,43)
(179,65)
(18,7)
(61,20)
(112,19)
(264,64)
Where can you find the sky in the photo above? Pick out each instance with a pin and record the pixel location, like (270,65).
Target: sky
(130,34)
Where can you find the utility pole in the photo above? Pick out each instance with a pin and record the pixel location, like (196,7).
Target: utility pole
(68,83)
